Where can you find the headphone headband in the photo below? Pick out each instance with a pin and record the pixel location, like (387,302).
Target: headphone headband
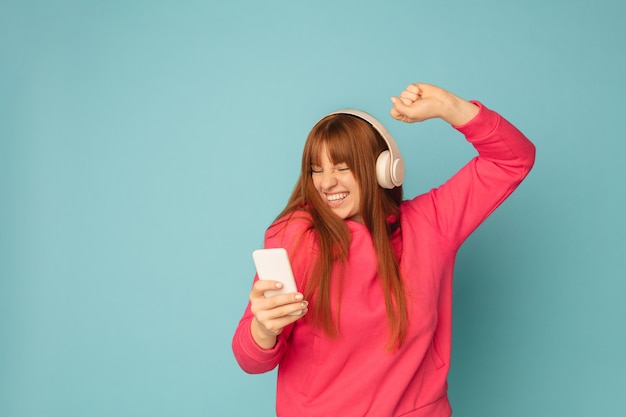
(389,166)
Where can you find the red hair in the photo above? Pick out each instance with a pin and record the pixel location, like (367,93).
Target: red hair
(352,141)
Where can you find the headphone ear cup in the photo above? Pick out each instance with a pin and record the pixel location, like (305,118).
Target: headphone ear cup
(397,172)
(383,170)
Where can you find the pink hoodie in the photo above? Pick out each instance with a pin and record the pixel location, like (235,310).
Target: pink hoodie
(354,375)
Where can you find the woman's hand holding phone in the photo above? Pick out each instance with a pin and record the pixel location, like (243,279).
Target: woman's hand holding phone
(274,299)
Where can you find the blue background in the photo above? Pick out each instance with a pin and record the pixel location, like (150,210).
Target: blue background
(146,145)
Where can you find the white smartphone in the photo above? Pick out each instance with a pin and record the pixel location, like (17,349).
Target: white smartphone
(273,264)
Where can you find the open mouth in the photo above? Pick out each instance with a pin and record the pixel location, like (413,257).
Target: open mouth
(336,199)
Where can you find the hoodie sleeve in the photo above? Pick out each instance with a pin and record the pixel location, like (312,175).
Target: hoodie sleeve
(505,157)
(250,357)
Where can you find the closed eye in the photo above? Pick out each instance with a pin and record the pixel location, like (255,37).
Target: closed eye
(319,170)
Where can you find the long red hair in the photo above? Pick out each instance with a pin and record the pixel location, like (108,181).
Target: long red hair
(352,141)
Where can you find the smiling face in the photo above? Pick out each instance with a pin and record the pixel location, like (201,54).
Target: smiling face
(337,186)
(338,172)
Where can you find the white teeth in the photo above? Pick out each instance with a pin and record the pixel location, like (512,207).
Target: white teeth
(335,197)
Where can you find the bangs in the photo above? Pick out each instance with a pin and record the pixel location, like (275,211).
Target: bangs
(337,147)
(345,137)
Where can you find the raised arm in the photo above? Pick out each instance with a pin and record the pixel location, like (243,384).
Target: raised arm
(505,156)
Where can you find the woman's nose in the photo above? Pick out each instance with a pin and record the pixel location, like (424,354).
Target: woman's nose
(329,179)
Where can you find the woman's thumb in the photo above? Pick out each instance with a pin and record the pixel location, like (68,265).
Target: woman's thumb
(400,107)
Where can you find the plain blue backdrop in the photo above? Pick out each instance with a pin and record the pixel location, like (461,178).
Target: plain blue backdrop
(146,145)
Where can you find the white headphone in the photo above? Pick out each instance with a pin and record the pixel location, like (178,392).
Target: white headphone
(389,164)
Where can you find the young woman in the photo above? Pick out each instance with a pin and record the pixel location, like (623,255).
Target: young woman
(375,271)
